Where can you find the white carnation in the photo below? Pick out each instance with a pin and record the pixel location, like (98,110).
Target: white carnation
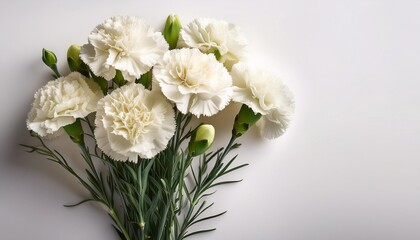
(266,94)
(210,35)
(132,122)
(61,102)
(194,81)
(123,43)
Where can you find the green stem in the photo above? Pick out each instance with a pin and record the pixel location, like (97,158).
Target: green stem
(119,224)
(206,186)
(184,167)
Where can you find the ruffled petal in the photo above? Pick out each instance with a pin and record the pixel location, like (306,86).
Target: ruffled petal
(210,35)
(265,94)
(195,82)
(61,102)
(123,43)
(133,122)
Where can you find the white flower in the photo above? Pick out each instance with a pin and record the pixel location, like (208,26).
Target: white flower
(132,122)
(61,102)
(194,81)
(264,93)
(215,36)
(123,43)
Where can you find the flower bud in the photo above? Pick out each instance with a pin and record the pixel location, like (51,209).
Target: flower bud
(171,30)
(74,61)
(49,58)
(75,131)
(245,119)
(201,139)
(73,58)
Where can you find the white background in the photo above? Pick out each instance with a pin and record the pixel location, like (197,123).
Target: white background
(348,168)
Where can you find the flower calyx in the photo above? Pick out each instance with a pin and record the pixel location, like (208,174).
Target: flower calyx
(244,120)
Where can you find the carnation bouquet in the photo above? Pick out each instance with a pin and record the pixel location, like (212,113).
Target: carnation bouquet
(133,103)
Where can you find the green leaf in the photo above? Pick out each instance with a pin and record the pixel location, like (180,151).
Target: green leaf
(199,232)
(146,80)
(79,203)
(119,79)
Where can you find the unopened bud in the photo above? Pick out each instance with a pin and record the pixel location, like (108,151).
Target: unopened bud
(73,58)
(201,139)
(74,61)
(171,30)
(245,119)
(49,58)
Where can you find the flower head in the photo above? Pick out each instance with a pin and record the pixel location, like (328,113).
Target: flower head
(132,122)
(123,43)
(215,36)
(194,81)
(61,102)
(265,94)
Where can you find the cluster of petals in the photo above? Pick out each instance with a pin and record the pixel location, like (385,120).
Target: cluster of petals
(201,77)
(60,102)
(123,43)
(222,38)
(264,93)
(194,81)
(133,122)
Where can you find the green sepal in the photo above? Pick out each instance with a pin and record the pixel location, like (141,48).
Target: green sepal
(244,120)
(119,79)
(146,80)
(72,64)
(102,82)
(33,134)
(198,147)
(75,131)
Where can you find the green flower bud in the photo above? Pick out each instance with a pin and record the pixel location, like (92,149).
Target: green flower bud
(171,30)
(73,58)
(49,58)
(75,131)
(245,119)
(201,139)
(74,61)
